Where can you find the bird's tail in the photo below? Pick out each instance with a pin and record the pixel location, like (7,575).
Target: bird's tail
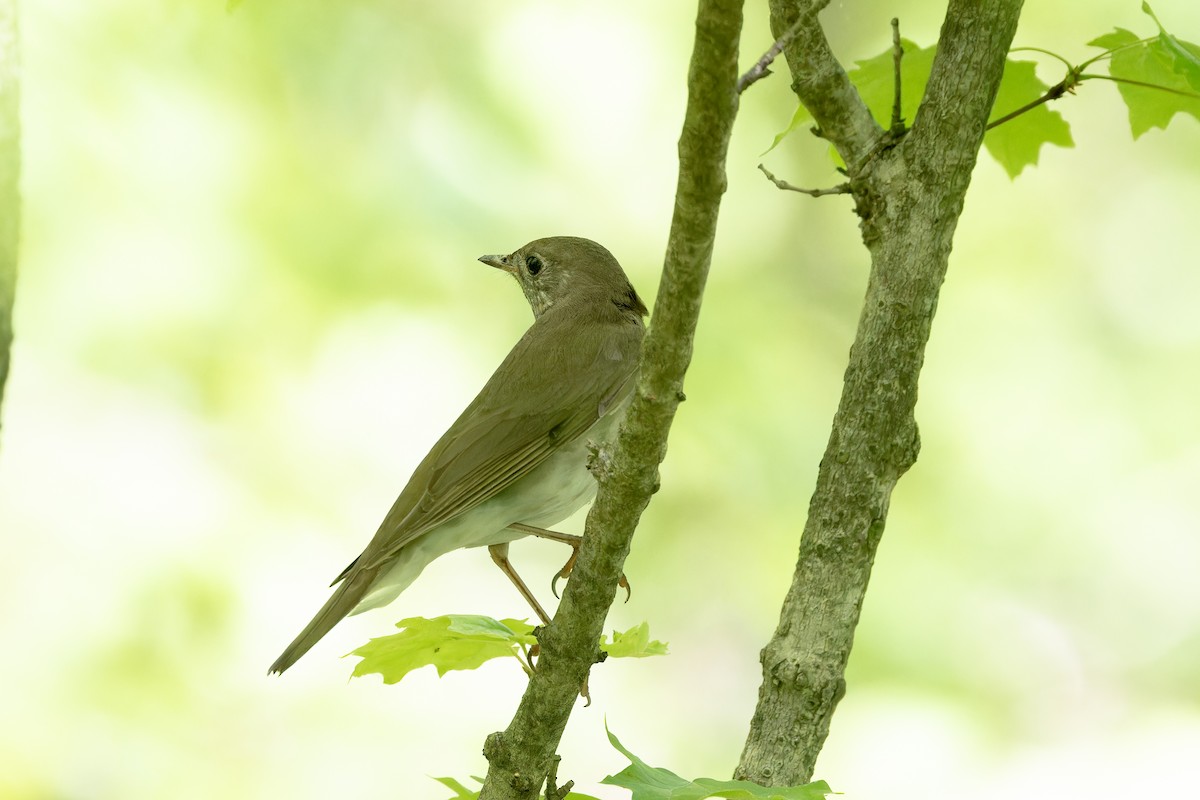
(342,602)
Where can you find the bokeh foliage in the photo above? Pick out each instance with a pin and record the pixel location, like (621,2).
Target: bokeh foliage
(249,303)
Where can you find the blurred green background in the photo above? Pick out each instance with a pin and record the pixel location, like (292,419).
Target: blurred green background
(249,303)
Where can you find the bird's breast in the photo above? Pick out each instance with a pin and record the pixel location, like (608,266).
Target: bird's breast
(560,485)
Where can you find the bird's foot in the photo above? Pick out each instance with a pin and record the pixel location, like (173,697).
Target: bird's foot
(565,573)
(572,541)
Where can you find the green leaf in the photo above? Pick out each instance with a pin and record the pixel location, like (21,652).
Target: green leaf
(1186,55)
(800,116)
(460,792)
(1017,142)
(1114,41)
(509,630)
(1170,65)
(633,643)
(655,783)
(447,643)
(467,641)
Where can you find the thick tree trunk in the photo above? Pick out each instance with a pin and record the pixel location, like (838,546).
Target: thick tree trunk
(10,168)
(909,191)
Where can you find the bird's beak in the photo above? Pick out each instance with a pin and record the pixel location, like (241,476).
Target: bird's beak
(499,262)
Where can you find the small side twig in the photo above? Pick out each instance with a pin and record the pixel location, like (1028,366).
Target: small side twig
(1075,76)
(1053,93)
(761,67)
(526,662)
(841,188)
(897,55)
(554,792)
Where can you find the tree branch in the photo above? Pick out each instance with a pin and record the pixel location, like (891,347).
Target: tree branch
(841,188)
(10,168)
(821,83)
(897,125)
(521,757)
(761,68)
(1053,93)
(909,197)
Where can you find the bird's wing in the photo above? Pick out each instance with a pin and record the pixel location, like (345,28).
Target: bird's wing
(580,372)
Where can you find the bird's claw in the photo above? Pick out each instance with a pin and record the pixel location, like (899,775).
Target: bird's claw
(565,573)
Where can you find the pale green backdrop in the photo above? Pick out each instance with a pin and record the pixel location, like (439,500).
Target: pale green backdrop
(249,302)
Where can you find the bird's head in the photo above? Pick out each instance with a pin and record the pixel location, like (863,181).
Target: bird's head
(566,269)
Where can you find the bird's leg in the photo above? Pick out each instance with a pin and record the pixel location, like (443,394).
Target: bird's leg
(499,554)
(554,536)
(568,539)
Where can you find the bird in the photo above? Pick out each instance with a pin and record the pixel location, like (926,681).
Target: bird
(515,462)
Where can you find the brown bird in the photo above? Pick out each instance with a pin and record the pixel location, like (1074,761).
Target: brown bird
(515,461)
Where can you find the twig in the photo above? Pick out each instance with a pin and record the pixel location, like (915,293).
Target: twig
(1053,93)
(897,55)
(1076,76)
(526,662)
(761,69)
(841,188)
(821,84)
(553,791)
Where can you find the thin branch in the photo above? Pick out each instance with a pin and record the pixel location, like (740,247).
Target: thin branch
(761,69)
(822,85)
(1076,76)
(1053,93)
(520,759)
(841,188)
(897,125)
(1072,80)
(553,790)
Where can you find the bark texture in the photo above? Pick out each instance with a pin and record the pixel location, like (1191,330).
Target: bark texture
(521,756)
(909,191)
(10,168)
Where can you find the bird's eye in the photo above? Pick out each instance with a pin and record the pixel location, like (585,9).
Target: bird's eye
(533,264)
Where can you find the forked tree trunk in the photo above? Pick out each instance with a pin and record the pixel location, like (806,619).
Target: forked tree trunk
(909,191)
